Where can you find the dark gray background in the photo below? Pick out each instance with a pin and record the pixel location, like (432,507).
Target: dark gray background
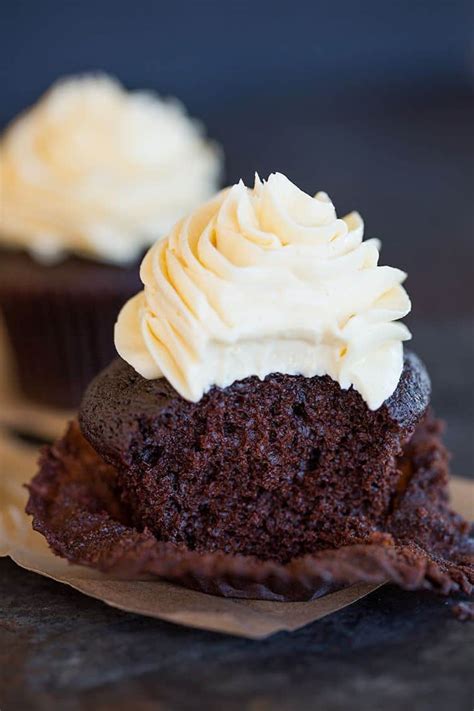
(371,101)
(209,52)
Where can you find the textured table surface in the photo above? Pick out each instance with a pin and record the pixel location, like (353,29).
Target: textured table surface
(408,168)
(61,650)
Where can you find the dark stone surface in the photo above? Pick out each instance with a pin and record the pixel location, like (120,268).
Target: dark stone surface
(394,649)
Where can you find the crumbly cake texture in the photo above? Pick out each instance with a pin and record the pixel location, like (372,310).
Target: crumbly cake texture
(285,488)
(275,468)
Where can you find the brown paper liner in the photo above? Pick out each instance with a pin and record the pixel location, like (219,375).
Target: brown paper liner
(18,414)
(59,322)
(254,619)
(76,506)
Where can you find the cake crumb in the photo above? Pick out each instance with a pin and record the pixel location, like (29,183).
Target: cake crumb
(463,611)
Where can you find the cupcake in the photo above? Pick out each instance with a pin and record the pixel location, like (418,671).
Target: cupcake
(264,433)
(91,176)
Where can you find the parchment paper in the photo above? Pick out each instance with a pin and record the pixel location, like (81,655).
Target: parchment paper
(254,619)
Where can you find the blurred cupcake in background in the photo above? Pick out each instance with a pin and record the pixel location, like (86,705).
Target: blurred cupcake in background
(89,177)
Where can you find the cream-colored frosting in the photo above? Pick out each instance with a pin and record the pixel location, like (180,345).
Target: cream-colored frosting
(95,170)
(262,281)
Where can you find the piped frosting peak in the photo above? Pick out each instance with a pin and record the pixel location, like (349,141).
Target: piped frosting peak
(266,280)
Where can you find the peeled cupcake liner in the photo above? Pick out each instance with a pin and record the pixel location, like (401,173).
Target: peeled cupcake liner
(60,331)
(76,507)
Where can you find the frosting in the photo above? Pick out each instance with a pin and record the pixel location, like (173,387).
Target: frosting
(97,171)
(262,281)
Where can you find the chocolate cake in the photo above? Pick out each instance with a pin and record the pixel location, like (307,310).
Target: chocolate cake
(275,468)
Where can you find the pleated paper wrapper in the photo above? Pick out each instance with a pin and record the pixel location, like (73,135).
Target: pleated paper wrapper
(254,619)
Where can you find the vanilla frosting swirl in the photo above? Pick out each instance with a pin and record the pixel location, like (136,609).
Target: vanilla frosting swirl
(97,171)
(262,281)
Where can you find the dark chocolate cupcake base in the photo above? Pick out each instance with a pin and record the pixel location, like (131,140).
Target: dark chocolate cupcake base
(275,468)
(75,503)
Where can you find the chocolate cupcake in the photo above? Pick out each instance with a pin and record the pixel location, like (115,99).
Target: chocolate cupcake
(91,176)
(264,434)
